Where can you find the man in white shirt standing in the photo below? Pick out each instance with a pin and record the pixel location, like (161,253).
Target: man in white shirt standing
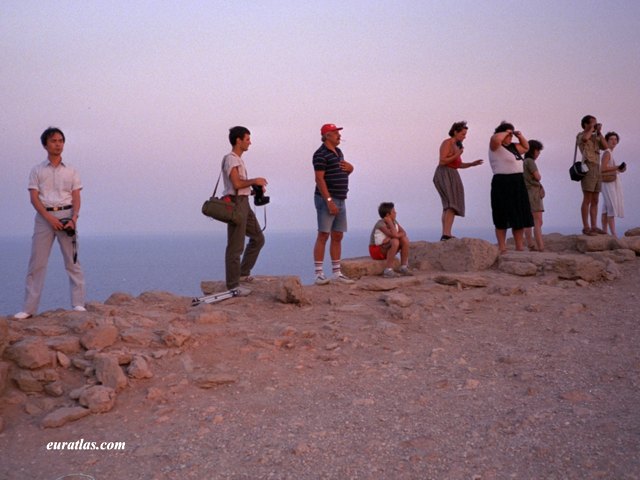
(237,186)
(54,188)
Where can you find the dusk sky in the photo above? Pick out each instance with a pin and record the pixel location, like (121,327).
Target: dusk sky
(146,91)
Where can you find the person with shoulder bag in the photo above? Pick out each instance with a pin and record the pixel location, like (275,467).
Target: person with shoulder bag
(237,188)
(590,141)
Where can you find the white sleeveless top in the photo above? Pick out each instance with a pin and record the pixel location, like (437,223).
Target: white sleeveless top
(612,162)
(502,161)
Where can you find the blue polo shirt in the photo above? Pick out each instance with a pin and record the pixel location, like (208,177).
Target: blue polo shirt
(337,180)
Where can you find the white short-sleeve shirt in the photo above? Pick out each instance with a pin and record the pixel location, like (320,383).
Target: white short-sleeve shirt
(54,184)
(229,162)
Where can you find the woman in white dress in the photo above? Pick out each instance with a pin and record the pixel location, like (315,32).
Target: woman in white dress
(613,202)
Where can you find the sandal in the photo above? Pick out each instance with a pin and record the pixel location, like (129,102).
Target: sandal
(598,231)
(586,231)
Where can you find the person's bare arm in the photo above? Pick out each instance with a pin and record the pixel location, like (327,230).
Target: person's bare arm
(41,209)
(324,192)
(239,183)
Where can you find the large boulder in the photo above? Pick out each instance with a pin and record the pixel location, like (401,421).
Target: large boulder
(454,255)
(139,368)
(98,398)
(596,243)
(556,242)
(68,344)
(120,298)
(32,381)
(461,280)
(567,266)
(100,337)
(30,353)
(4,376)
(519,268)
(364,267)
(4,334)
(289,290)
(108,371)
(64,415)
(621,255)
(631,243)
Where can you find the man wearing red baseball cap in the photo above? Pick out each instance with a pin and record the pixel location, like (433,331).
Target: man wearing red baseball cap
(332,184)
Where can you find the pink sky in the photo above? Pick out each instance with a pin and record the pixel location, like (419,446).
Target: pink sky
(146,92)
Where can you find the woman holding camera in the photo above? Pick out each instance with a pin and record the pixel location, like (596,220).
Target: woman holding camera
(611,187)
(447,179)
(509,198)
(590,142)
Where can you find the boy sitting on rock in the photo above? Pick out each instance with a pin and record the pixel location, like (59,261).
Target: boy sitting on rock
(387,238)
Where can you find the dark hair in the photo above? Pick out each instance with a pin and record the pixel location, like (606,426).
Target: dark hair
(586,119)
(458,127)
(611,134)
(503,127)
(534,145)
(385,209)
(236,133)
(48,133)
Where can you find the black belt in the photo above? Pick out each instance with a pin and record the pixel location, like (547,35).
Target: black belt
(57,209)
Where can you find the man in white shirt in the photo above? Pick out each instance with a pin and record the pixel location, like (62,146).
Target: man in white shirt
(54,188)
(237,185)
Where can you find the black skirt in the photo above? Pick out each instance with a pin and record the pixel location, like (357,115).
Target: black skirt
(510,202)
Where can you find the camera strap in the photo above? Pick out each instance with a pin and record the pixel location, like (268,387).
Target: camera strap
(75,248)
(264,214)
(265,219)
(513,150)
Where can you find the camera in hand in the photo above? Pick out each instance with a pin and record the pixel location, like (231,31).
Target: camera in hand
(69,231)
(259,198)
(622,166)
(459,145)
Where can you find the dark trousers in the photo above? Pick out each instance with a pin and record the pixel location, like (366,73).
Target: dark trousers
(234,268)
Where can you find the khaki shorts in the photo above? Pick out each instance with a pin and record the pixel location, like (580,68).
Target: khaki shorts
(535,200)
(592,182)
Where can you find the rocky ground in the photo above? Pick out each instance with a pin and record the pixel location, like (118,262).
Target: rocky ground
(520,367)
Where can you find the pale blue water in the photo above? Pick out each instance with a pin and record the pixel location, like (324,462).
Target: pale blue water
(174,263)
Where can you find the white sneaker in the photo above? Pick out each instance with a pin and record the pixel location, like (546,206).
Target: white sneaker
(79,308)
(340,277)
(321,279)
(404,270)
(22,316)
(241,291)
(389,273)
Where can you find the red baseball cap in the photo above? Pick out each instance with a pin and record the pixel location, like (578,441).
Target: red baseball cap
(329,127)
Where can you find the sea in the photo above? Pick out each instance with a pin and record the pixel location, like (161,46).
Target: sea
(176,263)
